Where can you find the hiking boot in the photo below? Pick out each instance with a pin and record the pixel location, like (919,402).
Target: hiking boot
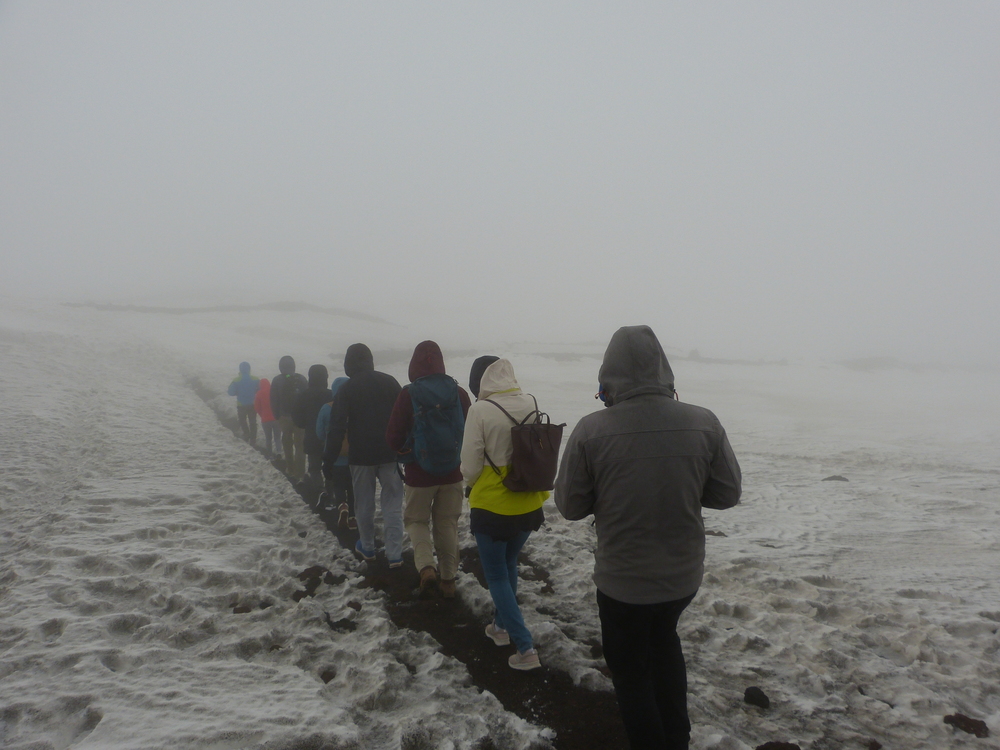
(365,554)
(497,635)
(527,660)
(447,588)
(352,523)
(342,515)
(428,580)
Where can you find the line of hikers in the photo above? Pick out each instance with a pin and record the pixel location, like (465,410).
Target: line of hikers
(356,433)
(644,468)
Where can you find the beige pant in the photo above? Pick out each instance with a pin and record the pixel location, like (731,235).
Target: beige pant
(441,506)
(292,439)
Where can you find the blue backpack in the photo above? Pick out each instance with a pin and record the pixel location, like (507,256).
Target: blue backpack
(438,425)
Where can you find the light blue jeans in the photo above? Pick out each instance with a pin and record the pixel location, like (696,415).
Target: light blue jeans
(390,500)
(499,560)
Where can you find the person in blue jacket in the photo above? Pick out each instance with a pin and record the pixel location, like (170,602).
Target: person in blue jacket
(244,387)
(340,485)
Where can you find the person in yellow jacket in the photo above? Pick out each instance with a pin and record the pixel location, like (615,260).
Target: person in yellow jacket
(501,519)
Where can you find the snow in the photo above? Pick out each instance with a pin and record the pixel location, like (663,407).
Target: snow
(132,523)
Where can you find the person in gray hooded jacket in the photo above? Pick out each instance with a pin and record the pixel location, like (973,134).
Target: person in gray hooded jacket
(644,468)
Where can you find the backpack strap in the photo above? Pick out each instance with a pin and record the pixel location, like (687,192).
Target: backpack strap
(527,416)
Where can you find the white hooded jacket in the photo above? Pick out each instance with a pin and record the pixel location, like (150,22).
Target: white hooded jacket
(487,432)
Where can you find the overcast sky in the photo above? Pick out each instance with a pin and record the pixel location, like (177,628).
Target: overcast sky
(752,179)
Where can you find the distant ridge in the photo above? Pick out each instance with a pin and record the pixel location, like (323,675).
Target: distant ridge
(694,356)
(268,306)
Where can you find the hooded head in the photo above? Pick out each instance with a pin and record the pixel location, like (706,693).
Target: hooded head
(476,375)
(358,358)
(318,376)
(335,386)
(497,378)
(244,368)
(635,364)
(286,365)
(426,360)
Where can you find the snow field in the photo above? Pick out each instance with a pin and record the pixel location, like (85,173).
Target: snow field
(133,524)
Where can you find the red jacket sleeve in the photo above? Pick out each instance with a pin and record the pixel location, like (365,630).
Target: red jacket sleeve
(400,422)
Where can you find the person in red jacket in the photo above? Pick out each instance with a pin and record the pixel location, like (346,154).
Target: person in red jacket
(272,430)
(429,498)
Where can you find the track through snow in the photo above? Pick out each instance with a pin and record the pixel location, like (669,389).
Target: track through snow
(132,525)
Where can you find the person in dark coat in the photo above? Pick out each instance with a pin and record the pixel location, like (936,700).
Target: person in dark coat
(429,497)
(644,468)
(478,368)
(285,390)
(304,415)
(361,411)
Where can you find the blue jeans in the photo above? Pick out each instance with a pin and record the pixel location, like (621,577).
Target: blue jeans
(499,559)
(391,501)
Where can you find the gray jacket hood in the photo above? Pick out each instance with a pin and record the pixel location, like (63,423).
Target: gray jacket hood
(634,364)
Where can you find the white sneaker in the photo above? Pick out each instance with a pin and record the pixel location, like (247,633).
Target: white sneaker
(498,635)
(527,660)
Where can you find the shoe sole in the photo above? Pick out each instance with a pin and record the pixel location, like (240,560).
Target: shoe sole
(358,551)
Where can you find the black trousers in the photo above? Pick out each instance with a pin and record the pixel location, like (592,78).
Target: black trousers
(644,654)
(341,486)
(248,422)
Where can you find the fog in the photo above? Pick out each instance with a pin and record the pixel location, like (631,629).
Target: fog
(753,180)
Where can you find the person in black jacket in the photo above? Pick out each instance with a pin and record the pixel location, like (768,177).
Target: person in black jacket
(285,390)
(361,411)
(304,415)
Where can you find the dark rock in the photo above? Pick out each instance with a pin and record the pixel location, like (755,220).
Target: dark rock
(836,478)
(328,674)
(756,697)
(299,596)
(778,746)
(331,580)
(312,584)
(966,724)
(356,606)
(874,745)
(709,532)
(303,534)
(274,647)
(341,626)
(314,572)
(241,610)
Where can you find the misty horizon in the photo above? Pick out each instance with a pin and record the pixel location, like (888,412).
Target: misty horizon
(752,182)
